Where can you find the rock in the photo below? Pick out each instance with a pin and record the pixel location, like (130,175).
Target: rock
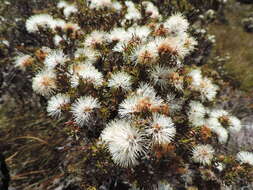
(248,24)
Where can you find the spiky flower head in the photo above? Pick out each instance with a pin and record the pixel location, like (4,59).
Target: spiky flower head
(132,12)
(161,129)
(160,75)
(83,108)
(234,124)
(226,120)
(144,99)
(125,143)
(245,157)
(151,10)
(196,77)
(203,85)
(92,75)
(207,89)
(196,114)
(171,46)
(120,80)
(146,54)
(44,82)
(118,34)
(86,73)
(69,10)
(141,32)
(95,38)
(90,55)
(57,104)
(177,24)
(23,61)
(41,20)
(54,58)
(221,132)
(203,154)
(190,43)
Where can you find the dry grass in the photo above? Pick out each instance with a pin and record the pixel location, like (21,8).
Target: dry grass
(29,140)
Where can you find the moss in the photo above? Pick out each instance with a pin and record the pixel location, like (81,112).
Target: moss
(232,40)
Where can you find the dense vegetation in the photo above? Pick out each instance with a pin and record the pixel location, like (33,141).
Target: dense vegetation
(95,57)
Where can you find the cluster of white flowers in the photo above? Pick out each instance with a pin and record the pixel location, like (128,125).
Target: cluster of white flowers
(204,86)
(217,120)
(144,98)
(150,80)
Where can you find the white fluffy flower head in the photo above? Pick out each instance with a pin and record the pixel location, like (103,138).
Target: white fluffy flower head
(141,32)
(40,20)
(207,89)
(196,114)
(69,9)
(245,157)
(159,74)
(54,58)
(89,54)
(146,54)
(203,154)
(196,77)
(125,143)
(221,132)
(23,61)
(176,24)
(145,98)
(120,80)
(151,10)
(56,104)
(119,34)
(234,124)
(95,38)
(83,108)
(92,75)
(226,120)
(132,12)
(44,82)
(161,129)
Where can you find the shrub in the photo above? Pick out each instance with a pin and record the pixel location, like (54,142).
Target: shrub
(116,72)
